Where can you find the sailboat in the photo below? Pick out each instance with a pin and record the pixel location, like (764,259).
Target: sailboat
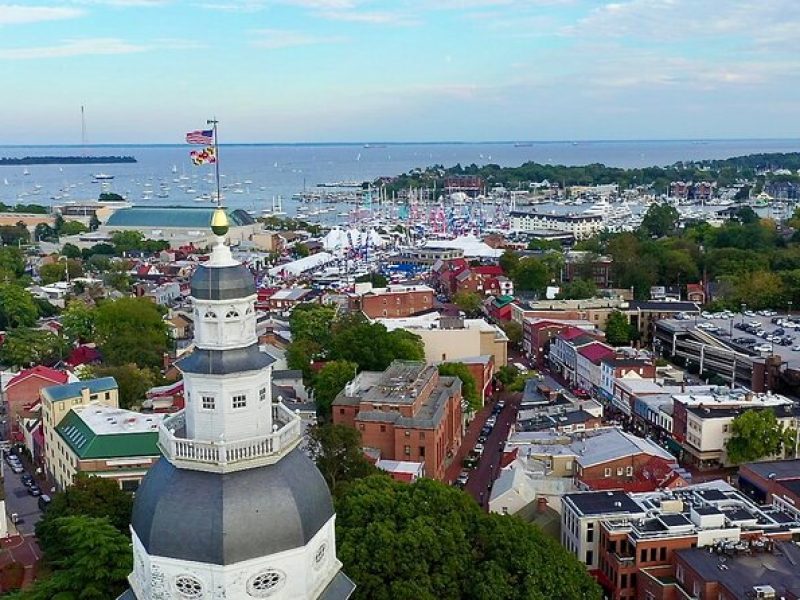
(5,181)
(26,172)
(174,169)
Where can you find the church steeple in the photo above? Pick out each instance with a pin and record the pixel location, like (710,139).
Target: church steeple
(234,510)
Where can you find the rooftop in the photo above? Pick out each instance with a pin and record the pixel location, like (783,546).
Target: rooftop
(185,217)
(603,503)
(97,431)
(57,393)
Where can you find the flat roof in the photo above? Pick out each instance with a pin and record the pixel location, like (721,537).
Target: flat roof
(600,503)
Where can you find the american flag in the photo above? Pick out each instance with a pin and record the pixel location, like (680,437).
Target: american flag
(200,136)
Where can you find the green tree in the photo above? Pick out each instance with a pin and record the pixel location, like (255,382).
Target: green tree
(513,331)
(578,289)
(337,451)
(17,307)
(14,235)
(430,541)
(757,434)
(77,322)
(117,276)
(73,228)
(660,220)
(300,355)
(371,346)
(469,389)
(469,302)
(131,330)
(331,380)
(301,250)
(44,233)
(71,251)
(530,275)
(12,264)
(618,330)
(93,565)
(508,262)
(376,279)
(132,380)
(746,215)
(23,347)
(88,496)
(311,321)
(125,242)
(56,271)
(44,308)
(507,374)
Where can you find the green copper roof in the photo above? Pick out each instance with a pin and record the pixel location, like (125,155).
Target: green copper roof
(88,444)
(56,393)
(189,217)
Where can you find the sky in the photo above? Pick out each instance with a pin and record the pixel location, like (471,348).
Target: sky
(398,70)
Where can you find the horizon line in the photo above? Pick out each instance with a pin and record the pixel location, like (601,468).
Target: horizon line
(406,143)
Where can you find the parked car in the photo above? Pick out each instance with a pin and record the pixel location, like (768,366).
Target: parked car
(44,502)
(501,404)
(463,477)
(491,421)
(34,490)
(486,430)
(478,449)
(482,439)
(27,480)
(17,469)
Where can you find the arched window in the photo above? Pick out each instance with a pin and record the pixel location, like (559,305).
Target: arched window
(232,314)
(210,315)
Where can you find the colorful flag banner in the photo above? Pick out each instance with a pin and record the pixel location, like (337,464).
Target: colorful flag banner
(200,136)
(206,156)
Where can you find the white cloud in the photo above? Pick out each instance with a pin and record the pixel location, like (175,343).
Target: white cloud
(374,17)
(16,14)
(274,39)
(93,47)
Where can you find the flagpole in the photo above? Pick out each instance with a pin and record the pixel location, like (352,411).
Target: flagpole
(216,158)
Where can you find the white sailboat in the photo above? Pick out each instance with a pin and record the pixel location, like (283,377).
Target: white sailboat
(174,169)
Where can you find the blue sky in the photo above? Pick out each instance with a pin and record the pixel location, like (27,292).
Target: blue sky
(399,70)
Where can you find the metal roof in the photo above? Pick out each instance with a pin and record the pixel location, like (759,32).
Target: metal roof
(184,217)
(56,393)
(94,432)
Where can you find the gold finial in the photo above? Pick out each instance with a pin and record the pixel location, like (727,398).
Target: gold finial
(219,222)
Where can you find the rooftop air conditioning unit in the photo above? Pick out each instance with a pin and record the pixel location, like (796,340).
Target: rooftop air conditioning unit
(764,592)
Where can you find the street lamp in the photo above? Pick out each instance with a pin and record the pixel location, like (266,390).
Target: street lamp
(788,309)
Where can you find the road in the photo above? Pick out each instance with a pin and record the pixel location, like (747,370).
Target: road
(20,502)
(483,475)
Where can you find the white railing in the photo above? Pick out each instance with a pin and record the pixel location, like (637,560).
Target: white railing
(232,455)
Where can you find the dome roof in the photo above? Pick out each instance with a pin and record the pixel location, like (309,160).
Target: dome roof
(222,283)
(226,518)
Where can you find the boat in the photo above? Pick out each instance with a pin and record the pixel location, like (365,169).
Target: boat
(26,172)
(174,169)
(103,177)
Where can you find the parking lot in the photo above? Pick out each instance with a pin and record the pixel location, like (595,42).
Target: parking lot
(755,333)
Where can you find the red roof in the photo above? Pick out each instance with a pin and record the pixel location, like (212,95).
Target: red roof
(596,352)
(570,333)
(83,355)
(58,377)
(490,270)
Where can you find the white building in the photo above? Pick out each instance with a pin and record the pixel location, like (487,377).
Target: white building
(234,509)
(580,226)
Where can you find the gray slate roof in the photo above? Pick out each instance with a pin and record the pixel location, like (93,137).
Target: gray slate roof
(228,518)
(189,217)
(223,283)
(225,362)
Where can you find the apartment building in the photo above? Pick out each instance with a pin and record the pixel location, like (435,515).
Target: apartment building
(628,540)
(406,413)
(396,301)
(581,226)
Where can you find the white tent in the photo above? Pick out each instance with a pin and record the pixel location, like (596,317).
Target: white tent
(338,239)
(307,263)
(472,247)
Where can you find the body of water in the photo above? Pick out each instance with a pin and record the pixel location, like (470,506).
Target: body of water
(254,174)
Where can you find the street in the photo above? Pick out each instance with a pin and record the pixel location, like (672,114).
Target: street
(19,502)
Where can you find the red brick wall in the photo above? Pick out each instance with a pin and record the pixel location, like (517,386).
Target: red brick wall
(595,476)
(22,395)
(401,304)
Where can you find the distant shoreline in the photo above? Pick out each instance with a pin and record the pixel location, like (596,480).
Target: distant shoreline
(376,144)
(66,160)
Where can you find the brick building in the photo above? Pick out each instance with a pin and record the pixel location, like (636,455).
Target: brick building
(776,481)
(631,542)
(22,392)
(407,412)
(396,301)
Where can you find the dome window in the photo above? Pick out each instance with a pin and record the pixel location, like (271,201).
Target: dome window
(265,583)
(232,314)
(188,587)
(210,315)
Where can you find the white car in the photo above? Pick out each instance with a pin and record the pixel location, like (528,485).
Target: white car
(796,348)
(749,313)
(478,449)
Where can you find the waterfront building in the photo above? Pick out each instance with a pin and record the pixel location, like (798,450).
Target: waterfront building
(581,226)
(234,509)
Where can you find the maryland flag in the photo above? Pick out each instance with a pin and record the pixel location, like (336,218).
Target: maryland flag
(206,156)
